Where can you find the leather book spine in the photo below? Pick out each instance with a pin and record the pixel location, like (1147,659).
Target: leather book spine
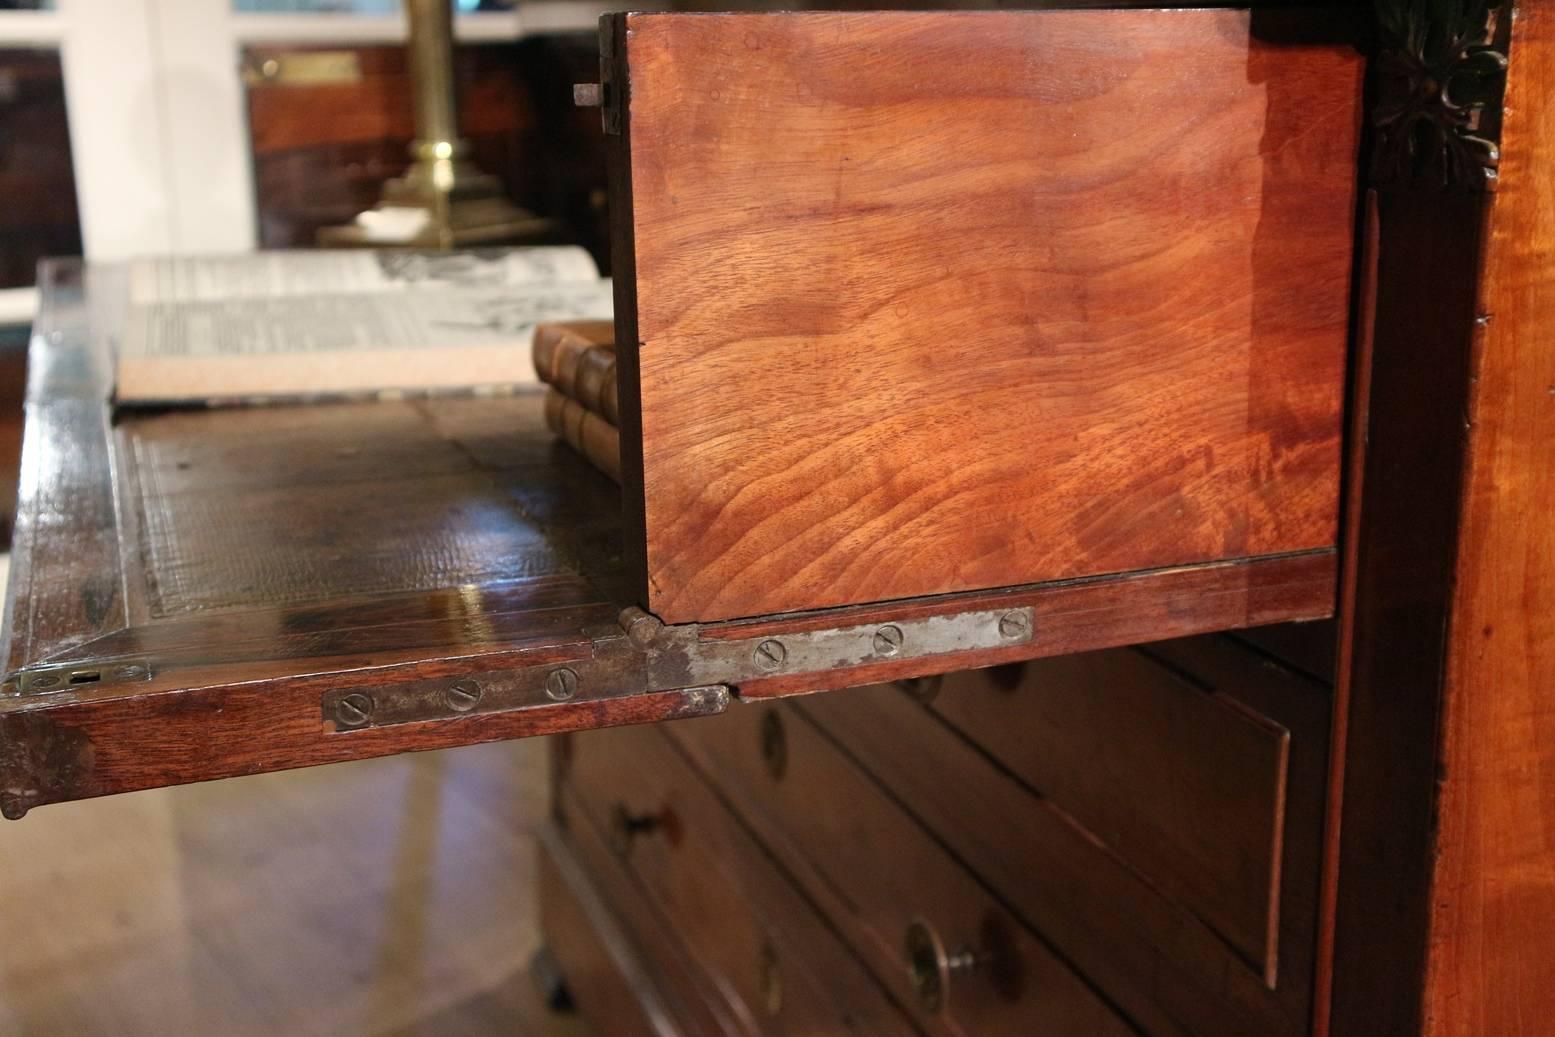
(584,431)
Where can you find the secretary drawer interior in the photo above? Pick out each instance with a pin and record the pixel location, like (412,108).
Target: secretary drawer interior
(940,942)
(1179,777)
(1153,948)
(763,946)
(1031,340)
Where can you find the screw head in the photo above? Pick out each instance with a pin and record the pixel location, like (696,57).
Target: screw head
(561,684)
(128,672)
(769,655)
(1014,625)
(45,680)
(462,695)
(354,710)
(888,640)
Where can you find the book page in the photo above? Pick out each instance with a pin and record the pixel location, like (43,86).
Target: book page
(345,322)
(284,274)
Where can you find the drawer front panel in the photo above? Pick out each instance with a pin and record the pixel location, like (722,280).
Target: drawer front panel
(1186,784)
(888,885)
(766,950)
(609,983)
(1162,963)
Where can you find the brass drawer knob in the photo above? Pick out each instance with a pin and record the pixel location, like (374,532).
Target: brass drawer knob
(626,826)
(931,964)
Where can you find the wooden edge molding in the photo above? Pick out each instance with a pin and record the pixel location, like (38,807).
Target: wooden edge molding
(62,741)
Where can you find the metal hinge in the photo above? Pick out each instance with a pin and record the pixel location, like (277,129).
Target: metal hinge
(643,655)
(35,680)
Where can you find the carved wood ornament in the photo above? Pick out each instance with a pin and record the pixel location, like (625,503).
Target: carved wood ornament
(1440,77)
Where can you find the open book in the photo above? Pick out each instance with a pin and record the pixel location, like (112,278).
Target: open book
(301,324)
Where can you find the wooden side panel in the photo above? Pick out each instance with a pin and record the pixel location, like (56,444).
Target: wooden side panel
(978,299)
(1491,966)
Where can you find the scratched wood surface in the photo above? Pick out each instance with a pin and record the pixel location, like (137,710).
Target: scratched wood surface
(928,302)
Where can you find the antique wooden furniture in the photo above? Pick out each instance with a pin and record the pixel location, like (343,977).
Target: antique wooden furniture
(1091,363)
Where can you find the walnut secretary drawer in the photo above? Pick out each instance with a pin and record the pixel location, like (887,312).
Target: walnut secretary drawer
(888,886)
(1106,829)
(769,956)
(1032,340)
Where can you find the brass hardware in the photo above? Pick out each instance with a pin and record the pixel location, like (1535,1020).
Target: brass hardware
(305,68)
(769,655)
(641,626)
(771,980)
(931,966)
(561,684)
(888,640)
(1015,625)
(774,744)
(463,695)
(353,710)
(460,206)
(626,826)
(69,676)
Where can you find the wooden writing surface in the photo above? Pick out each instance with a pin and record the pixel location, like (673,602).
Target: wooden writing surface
(913,303)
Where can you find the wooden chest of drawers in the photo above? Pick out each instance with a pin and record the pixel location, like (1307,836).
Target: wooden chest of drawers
(1123,841)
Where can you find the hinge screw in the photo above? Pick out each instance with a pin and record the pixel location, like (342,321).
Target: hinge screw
(45,680)
(354,710)
(1013,625)
(462,695)
(129,672)
(561,684)
(888,640)
(769,655)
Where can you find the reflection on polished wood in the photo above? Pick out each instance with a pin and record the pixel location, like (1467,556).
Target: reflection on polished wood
(384,897)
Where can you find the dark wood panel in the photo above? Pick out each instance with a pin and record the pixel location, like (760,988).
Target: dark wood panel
(1073,302)
(772,957)
(600,964)
(1178,777)
(1162,965)
(37,175)
(877,874)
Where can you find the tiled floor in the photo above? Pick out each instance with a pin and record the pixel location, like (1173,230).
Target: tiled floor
(386,897)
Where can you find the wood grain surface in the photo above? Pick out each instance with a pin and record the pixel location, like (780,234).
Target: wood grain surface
(732,908)
(1491,967)
(874,872)
(254,565)
(941,301)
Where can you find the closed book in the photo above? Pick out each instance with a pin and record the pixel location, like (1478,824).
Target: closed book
(578,359)
(584,431)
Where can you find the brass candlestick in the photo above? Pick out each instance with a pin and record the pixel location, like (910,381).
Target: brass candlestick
(443,201)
